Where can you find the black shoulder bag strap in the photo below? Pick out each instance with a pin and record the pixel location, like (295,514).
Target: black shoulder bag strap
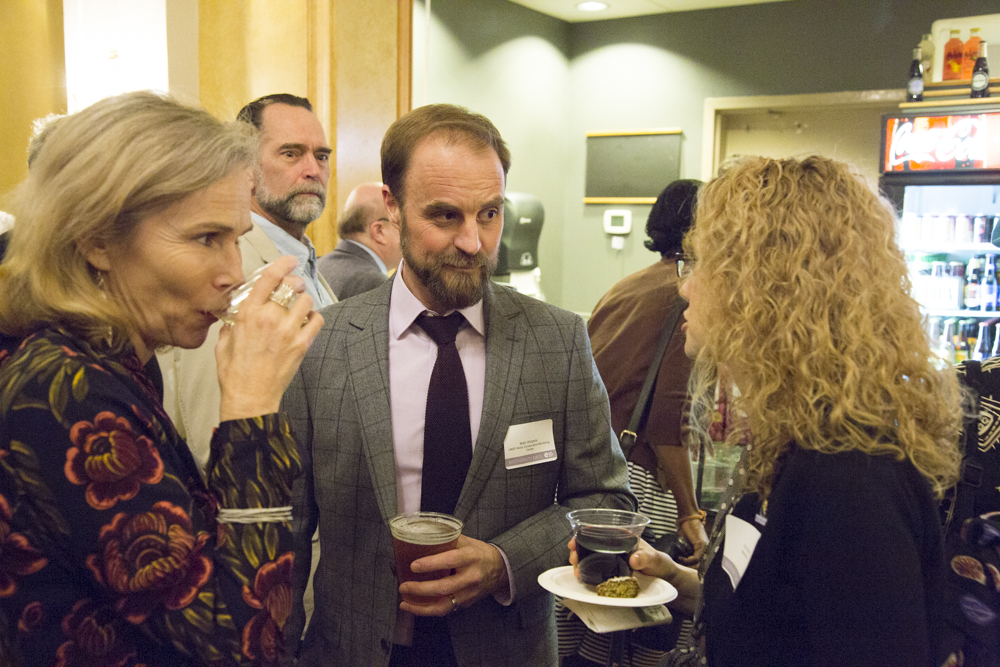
(971,473)
(641,410)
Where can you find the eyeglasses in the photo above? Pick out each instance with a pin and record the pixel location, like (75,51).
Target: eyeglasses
(685,265)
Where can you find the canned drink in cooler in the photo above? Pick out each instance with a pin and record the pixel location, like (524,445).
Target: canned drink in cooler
(948,228)
(928,225)
(909,229)
(981,229)
(964,229)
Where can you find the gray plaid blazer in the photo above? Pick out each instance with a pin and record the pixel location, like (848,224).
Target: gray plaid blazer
(538,366)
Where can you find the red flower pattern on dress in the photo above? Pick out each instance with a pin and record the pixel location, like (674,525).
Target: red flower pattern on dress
(151,559)
(31,616)
(272,594)
(93,639)
(17,557)
(111,460)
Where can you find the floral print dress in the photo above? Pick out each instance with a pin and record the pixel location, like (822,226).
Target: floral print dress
(110,552)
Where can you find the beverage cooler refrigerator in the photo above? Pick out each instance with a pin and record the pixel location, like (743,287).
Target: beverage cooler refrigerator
(941,169)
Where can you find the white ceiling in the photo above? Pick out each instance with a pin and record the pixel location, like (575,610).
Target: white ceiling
(567,11)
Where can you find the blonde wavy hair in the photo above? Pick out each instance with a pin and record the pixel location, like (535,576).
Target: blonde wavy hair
(100,172)
(805,297)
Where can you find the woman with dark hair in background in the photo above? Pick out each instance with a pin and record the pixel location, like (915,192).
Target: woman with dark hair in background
(833,555)
(113,551)
(625,330)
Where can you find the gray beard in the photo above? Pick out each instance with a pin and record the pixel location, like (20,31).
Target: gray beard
(291,207)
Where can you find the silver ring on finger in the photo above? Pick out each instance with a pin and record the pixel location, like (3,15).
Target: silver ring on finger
(283,295)
(454,605)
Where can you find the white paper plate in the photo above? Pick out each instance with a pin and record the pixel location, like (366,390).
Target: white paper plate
(561,581)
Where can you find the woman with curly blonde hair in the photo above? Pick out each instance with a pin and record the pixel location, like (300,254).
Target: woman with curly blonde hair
(833,556)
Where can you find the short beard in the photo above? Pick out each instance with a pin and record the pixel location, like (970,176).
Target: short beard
(289,207)
(451,290)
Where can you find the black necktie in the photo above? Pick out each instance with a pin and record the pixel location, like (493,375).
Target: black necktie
(447,433)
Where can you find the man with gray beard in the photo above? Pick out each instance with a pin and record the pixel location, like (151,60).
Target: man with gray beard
(289,192)
(441,391)
(290,177)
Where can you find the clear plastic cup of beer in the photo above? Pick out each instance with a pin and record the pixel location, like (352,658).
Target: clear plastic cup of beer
(419,534)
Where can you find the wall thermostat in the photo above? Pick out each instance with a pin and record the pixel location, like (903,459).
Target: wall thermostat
(617,221)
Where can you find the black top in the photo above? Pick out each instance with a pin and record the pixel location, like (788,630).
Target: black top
(847,571)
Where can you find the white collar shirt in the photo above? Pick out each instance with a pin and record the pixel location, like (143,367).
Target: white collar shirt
(303,251)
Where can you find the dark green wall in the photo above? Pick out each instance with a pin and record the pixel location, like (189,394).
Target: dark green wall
(646,72)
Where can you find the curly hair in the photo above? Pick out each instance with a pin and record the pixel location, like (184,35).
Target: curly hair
(806,298)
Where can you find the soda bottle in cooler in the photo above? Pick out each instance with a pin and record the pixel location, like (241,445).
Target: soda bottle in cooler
(972,278)
(956,285)
(988,288)
(954,51)
(970,333)
(962,341)
(948,340)
(996,342)
(982,348)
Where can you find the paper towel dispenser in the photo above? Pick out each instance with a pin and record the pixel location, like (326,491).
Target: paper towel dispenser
(523,216)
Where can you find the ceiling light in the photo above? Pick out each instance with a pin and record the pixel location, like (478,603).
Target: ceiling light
(591,6)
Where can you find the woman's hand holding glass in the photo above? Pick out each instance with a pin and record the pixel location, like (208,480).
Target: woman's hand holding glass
(649,561)
(258,355)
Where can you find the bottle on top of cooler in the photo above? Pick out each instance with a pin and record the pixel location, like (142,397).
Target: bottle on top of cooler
(915,85)
(954,51)
(970,52)
(981,74)
(927,56)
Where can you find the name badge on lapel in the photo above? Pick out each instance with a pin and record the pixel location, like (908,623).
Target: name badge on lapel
(741,540)
(528,444)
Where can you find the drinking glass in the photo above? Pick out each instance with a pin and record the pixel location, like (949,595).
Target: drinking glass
(604,540)
(420,534)
(239,294)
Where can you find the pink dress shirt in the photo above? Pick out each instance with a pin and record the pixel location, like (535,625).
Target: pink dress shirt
(411,359)
(412,354)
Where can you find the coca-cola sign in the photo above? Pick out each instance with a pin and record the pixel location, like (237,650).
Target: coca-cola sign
(933,143)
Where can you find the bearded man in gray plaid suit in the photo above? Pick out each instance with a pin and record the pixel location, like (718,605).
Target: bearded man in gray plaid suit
(358,409)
